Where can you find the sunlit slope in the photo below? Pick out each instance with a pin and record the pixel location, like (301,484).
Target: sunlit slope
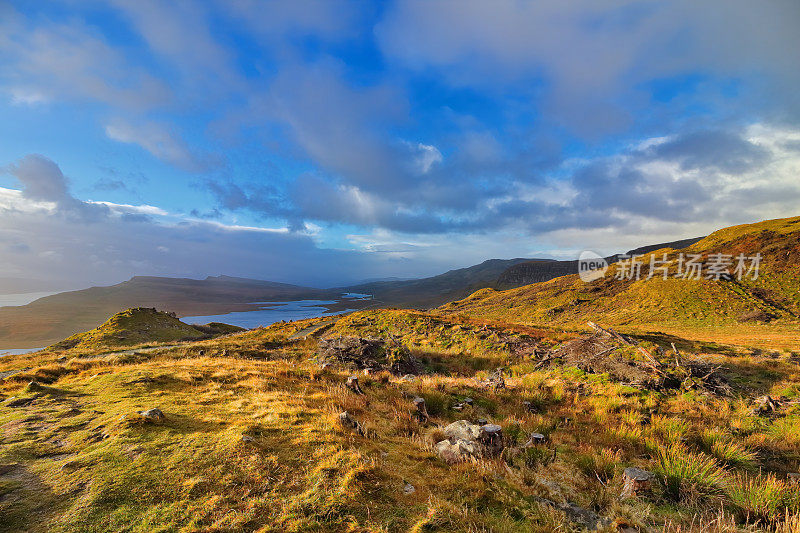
(247,435)
(757,311)
(139,325)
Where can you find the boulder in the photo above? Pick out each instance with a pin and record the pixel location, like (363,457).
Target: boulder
(462,429)
(454,452)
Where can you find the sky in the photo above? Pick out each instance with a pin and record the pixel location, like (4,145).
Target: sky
(327,142)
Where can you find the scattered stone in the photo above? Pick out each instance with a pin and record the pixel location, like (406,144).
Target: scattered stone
(481,421)
(408,488)
(468,401)
(152,415)
(349,422)
(352,384)
(635,482)
(458,407)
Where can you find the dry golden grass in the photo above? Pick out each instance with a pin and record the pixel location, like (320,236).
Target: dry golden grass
(251,439)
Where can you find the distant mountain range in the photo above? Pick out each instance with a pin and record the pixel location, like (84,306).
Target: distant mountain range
(55,317)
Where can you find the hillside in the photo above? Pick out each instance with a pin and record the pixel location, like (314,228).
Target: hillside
(137,326)
(52,318)
(435,290)
(727,309)
(457,424)
(537,271)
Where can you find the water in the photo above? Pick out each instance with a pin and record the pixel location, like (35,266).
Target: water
(17,351)
(269,313)
(357,296)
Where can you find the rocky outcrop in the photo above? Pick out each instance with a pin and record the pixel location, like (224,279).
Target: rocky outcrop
(466,440)
(362,353)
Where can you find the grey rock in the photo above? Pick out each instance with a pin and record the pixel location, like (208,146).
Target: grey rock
(153,415)
(459,450)
(462,429)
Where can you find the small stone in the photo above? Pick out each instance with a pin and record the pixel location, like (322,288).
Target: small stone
(152,415)
(793,477)
(409,488)
(35,386)
(468,401)
(248,439)
(458,407)
(635,482)
(481,421)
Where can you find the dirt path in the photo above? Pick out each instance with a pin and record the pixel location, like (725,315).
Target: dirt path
(303,333)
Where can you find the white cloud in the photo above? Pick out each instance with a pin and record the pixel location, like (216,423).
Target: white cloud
(162,143)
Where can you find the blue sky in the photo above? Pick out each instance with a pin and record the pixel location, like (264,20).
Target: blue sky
(326,142)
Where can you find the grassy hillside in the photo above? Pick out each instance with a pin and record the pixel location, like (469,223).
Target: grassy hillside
(763,312)
(248,435)
(138,326)
(435,290)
